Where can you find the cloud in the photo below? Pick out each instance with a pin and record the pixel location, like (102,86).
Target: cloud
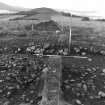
(76,5)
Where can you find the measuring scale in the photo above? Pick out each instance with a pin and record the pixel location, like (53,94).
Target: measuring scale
(52,79)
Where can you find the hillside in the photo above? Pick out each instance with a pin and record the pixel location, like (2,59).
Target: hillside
(42,10)
(37,14)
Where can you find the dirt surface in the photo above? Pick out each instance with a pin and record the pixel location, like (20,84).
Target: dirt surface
(83,80)
(20,79)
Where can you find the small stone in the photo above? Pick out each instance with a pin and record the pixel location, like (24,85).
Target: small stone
(66,81)
(65,53)
(1,81)
(85,87)
(6,103)
(94,69)
(103,70)
(23,96)
(32,47)
(45,70)
(8,93)
(89,59)
(77,49)
(31,91)
(31,101)
(79,85)
(103,74)
(54,71)
(8,78)
(19,49)
(17,86)
(94,76)
(102,52)
(14,65)
(10,88)
(27,99)
(78,102)
(1,91)
(33,75)
(28,49)
(88,69)
(67,87)
(46,45)
(60,51)
(83,53)
(93,87)
(78,94)
(85,48)
(72,80)
(101,93)
(91,97)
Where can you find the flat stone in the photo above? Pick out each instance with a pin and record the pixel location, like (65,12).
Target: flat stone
(89,59)
(83,53)
(72,80)
(67,87)
(88,69)
(78,102)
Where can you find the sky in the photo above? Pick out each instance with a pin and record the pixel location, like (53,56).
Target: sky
(93,7)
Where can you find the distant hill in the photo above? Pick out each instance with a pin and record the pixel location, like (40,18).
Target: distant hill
(44,14)
(37,14)
(4,8)
(42,10)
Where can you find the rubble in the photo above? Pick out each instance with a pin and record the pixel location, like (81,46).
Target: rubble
(83,81)
(20,74)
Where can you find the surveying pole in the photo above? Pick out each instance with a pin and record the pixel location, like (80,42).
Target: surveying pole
(70,32)
(32,27)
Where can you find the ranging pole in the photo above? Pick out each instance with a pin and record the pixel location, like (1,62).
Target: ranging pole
(70,32)
(32,27)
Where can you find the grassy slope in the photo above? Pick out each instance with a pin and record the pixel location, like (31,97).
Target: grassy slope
(90,31)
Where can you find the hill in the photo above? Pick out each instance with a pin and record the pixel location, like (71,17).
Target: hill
(42,10)
(37,14)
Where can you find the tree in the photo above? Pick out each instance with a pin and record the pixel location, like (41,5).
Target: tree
(85,19)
